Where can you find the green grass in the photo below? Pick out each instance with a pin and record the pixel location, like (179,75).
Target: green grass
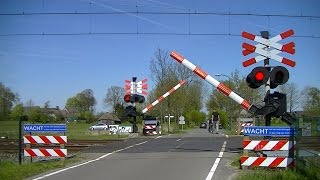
(77,131)
(14,171)
(309,169)
(9,129)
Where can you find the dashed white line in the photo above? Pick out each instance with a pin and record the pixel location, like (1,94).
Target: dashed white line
(216,162)
(178,140)
(78,165)
(158,137)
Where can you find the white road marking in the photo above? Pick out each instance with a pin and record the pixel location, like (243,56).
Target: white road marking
(158,137)
(178,140)
(216,162)
(227,136)
(78,165)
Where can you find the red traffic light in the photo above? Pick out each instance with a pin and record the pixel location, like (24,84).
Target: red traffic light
(127,98)
(133,98)
(259,76)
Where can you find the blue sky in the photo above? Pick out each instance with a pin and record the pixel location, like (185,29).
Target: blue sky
(56,67)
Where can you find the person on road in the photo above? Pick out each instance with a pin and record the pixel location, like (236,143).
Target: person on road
(216,119)
(210,127)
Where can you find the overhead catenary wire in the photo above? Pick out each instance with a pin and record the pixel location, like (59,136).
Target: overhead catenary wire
(139,33)
(195,12)
(137,13)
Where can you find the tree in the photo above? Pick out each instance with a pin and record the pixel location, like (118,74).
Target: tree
(29,103)
(114,97)
(17,112)
(293,95)
(166,74)
(83,101)
(7,99)
(46,105)
(195,116)
(38,115)
(311,101)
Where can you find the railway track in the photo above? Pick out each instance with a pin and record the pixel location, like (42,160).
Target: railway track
(12,145)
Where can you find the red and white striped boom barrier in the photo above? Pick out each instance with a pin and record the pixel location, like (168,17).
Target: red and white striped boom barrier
(43,152)
(220,86)
(163,96)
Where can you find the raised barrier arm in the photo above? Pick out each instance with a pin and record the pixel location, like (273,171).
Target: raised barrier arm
(163,96)
(220,86)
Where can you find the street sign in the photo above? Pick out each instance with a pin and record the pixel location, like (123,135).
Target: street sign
(181,118)
(268,131)
(182,122)
(44,127)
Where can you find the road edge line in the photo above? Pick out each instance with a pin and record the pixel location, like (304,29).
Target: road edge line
(216,162)
(87,162)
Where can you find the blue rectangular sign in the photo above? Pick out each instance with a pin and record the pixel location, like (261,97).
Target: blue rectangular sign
(44,127)
(268,131)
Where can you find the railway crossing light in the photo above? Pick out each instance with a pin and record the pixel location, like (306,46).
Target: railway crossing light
(133,98)
(278,76)
(258,76)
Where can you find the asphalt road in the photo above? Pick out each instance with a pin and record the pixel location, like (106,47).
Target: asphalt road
(196,155)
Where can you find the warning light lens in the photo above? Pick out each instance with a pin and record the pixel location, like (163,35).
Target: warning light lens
(259,76)
(127,98)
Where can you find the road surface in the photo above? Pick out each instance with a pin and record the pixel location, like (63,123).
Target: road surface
(196,155)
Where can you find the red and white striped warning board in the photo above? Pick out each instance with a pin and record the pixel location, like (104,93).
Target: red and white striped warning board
(243,125)
(263,48)
(246,124)
(44,139)
(266,145)
(42,152)
(149,127)
(266,161)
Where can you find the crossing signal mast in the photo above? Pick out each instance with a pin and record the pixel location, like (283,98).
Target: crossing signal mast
(271,77)
(134,94)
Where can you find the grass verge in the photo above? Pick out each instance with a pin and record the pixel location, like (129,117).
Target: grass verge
(13,171)
(308,169)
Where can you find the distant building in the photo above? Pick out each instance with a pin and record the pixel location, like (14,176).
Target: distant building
(109,118)
(66,114)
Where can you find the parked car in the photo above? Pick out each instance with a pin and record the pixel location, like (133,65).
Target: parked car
(99,126)
(203,125)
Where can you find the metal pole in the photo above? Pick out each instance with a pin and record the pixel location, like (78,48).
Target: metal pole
(229,108)
(265,34)
(135,127)
(169,123)
(20,140)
